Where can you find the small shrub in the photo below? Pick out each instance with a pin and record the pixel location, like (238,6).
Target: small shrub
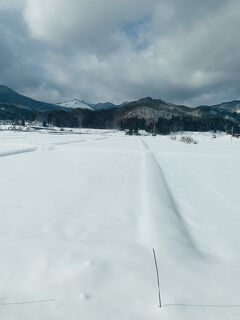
(188,140)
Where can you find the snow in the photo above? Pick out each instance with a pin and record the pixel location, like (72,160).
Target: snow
(81,211)
(74,104)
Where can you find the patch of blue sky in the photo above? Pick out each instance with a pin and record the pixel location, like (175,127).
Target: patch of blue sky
(133,30)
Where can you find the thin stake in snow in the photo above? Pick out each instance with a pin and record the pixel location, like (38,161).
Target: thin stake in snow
(158,282)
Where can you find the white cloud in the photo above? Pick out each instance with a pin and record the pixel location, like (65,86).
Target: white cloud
(12,4)
(184,51)
(82,23)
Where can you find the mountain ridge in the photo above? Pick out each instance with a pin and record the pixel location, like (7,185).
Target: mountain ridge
(11,97)
(141,113)
(8,95)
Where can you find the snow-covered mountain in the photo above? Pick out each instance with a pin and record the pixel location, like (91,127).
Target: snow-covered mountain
(74,104)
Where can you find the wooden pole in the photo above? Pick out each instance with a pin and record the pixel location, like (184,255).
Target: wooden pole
(158,281)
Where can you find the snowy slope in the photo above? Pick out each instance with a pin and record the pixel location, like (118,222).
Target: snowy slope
(74,104)
(80,214)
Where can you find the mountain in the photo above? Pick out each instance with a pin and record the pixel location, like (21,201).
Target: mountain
(144,114)
(12,113)
(74,104)
(233,106)
(229,107)
(228,110)
(105,105)
(11,97)
(151,109)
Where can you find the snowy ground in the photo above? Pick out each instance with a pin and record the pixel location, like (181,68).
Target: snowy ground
(80,214)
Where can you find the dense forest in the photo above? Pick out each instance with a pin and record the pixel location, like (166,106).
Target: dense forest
(120,119)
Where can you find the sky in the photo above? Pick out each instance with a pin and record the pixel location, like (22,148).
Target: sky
(183,51)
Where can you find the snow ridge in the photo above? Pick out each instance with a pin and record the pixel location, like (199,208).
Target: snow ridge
(162,216)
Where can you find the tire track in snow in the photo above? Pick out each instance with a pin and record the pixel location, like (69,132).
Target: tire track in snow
(67,142)
(162,225)
(78,141)
(48,147)
(16,152)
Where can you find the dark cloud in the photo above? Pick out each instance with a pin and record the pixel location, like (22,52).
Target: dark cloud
(183,51)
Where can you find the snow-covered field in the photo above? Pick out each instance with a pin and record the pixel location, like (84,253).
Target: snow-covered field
(80,214)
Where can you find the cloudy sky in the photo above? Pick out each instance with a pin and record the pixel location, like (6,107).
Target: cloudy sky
(184,51)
